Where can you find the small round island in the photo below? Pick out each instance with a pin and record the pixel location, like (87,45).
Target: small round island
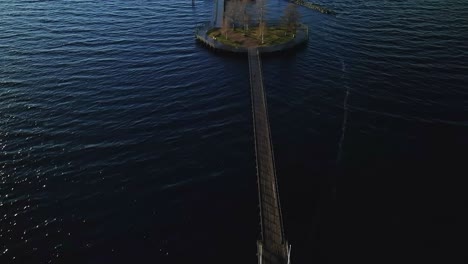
(268,39)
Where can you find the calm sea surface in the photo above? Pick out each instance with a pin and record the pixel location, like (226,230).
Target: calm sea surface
(124,141)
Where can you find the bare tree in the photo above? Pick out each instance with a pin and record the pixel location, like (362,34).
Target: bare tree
(243,8)
(262,28)
(236,12)
(230,13)
(261,10)
(262,25)
(226,27)
(291,18)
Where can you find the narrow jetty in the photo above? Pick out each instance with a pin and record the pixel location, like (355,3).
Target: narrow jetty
(272,246)
(313,6)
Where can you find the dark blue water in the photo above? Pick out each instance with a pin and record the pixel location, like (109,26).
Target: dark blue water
(122,140)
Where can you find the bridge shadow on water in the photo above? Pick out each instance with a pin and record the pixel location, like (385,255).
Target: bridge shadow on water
(390,204)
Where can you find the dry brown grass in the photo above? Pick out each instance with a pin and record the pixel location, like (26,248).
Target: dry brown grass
(251,38)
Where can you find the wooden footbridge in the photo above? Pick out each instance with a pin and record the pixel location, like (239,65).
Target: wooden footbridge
(272,246)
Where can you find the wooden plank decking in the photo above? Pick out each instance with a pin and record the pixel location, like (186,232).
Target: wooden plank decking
(272,247)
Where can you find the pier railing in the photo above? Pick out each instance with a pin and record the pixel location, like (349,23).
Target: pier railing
(272,247)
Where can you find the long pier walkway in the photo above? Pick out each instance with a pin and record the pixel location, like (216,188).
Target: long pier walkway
(272,246)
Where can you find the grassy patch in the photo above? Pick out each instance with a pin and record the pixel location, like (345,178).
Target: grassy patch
(251,38)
